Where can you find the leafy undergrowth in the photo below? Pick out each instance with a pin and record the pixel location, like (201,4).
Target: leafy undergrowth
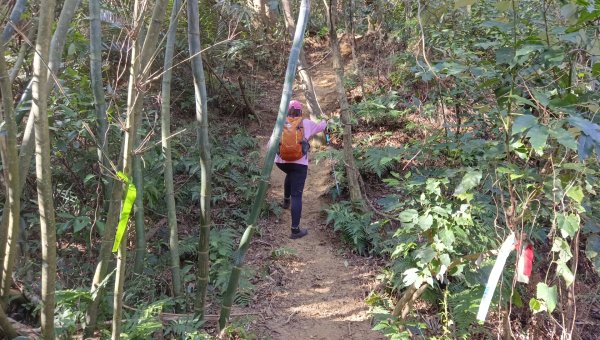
(485,138)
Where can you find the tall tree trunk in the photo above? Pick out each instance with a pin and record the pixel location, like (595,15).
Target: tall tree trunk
(98,90)
(166,149)
(10,217)
(238,261)
(39,108)
(309,90)
(27,144)
(195,46)
(355,58)
(351,170)
(15,17)
(140,68)
(140,225)
(8,152)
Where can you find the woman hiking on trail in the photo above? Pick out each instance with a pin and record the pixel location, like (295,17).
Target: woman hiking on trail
(292,159)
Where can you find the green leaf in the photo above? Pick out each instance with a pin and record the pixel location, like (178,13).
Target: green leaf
(547,294)
(538,135)
(469,181)
(565,272)
(596,70)
(563,249)
(564,138)
(463,3)
(592,251)
(425,254)
(523,123)
(504,55)
(522,101)
(527,49)
(425,222)
(447,237)
(408,216)
(575,193)
(535,305)
(125,211)
(568,224)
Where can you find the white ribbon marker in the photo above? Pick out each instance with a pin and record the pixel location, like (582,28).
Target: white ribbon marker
(490,287)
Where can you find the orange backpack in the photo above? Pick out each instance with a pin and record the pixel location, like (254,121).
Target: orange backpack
(292,146)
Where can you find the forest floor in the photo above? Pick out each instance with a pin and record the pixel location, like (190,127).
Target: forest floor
(316,287)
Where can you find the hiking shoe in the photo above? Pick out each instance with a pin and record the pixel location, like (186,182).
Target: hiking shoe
(298,233)
(286,203)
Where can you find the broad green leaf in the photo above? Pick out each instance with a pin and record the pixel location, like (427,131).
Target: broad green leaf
(575,193)
(463,3)
(445,260)
(568,224)
(425,222)
(447,237)
(425,254)
(125,211)
(469,181)
(80,223)
(547,294)
(564,138)
(527,49)
(408,216)
(536,306)
(522,101)
(538,135)
(523,123)
(563,249)
(504,55)
(563,270)
(411,276)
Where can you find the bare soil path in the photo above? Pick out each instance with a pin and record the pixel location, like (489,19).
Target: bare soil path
(317,291)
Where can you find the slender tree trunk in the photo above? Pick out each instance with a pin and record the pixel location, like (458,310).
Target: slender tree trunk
(195,46)
(268,166)
(100,105)
(138,77)
(12,206)
(166,148)
(140,225)
(309,89)
(27,144)
(15,17)
(10,214)
(355,58)
(43,173)
(351,170)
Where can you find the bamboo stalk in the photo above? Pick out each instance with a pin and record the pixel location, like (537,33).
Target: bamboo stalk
(43,174)
(195,47)
(166,149)
(238,260)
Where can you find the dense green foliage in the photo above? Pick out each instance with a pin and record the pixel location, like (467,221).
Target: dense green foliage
(480,118)
(510,96)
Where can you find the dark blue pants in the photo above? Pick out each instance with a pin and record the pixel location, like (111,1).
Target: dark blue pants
(293,187)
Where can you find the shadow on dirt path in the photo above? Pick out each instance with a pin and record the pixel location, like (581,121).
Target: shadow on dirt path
(317,291)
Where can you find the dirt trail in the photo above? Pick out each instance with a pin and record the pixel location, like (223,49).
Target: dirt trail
(320,289)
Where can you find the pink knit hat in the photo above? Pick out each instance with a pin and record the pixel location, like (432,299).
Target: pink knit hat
(295,105)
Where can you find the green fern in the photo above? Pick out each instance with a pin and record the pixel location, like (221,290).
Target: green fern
(352,225)
(379,160)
